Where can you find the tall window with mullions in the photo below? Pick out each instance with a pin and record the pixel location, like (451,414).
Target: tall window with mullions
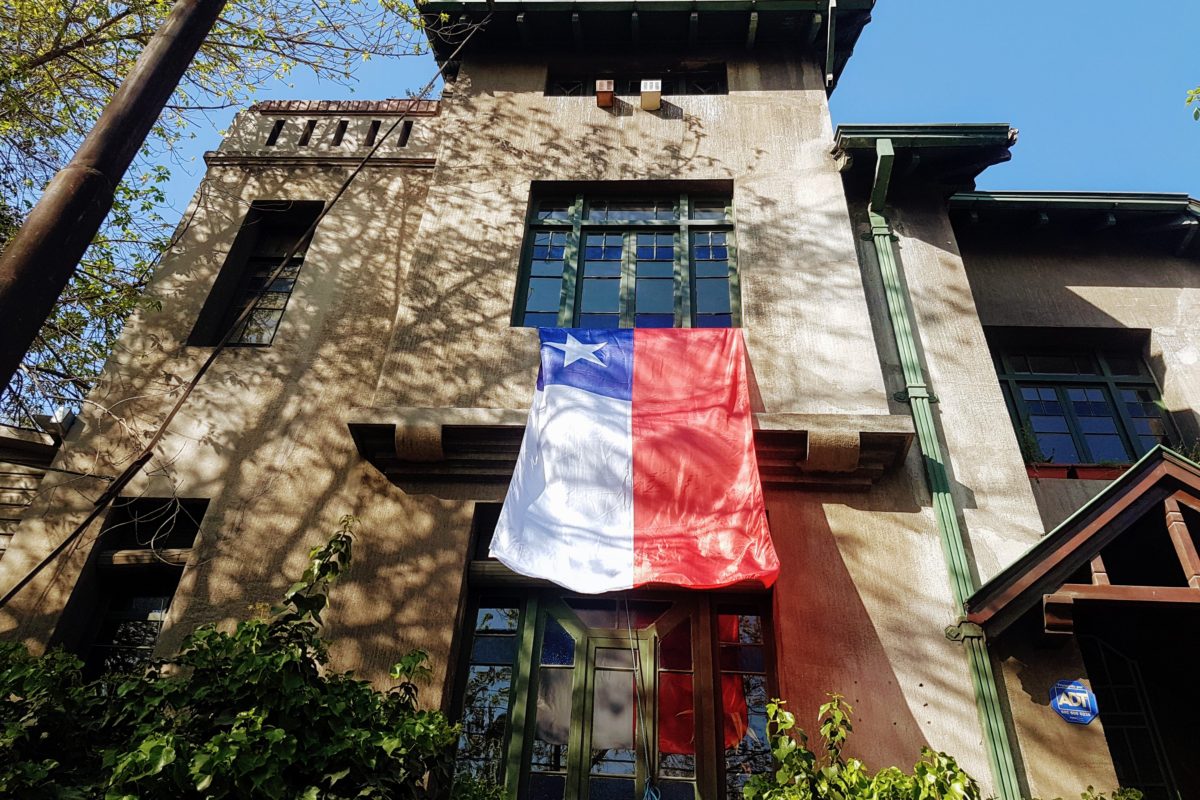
(599,261)
(1078,404)
(596,698)
(248,278)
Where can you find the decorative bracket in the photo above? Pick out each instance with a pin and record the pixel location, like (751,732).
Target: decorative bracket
(963,630)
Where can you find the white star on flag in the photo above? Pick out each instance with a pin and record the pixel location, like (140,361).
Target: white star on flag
(575,350)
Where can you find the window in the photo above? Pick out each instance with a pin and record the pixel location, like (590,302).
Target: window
(702,79)
(123,597)
(594,697)
(601,261)
(267,234)
(1081,405)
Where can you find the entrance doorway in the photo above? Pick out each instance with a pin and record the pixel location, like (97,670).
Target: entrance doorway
(1142,665)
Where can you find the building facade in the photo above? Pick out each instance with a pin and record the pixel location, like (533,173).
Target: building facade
(949,387)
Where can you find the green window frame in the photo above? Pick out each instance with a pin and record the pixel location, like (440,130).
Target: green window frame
(608,261)
(1082,405)
(551,708)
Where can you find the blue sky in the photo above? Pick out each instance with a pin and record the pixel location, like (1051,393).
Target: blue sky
(1096,88)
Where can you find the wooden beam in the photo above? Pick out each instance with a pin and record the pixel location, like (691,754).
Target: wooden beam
(1099,572)
(577,30)
(635,27)
(693,28)
(1181,538)
(1058,609)
(752,30)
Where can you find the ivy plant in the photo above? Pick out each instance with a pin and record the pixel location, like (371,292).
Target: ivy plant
(255,712)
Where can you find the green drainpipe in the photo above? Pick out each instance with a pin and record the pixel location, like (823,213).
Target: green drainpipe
(991,715)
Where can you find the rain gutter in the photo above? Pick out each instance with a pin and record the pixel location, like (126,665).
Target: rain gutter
(917,395)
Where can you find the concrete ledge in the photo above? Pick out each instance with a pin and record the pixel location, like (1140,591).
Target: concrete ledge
(414,446)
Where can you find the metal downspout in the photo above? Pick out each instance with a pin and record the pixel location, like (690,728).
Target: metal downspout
(991,714)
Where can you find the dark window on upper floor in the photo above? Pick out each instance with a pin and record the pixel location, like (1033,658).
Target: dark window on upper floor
(705,79)
(268,232)
(1078,403)
(612,259)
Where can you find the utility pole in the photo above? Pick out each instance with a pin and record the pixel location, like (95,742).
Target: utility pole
(39,261)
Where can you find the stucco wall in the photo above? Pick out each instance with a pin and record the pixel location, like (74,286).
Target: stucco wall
(264,436)
(804,314)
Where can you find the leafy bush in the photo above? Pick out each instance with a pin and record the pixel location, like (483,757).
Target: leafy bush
(802,775)
(252,713)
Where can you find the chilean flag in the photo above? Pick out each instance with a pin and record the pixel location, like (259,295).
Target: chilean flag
(637,465)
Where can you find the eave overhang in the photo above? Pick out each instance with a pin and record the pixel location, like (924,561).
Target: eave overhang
(946,157)
(423,447)
(1165,221)
(821,28)
(1042,575)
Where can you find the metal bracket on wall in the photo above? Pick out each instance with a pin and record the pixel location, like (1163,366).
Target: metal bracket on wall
(963,630)
(906,396)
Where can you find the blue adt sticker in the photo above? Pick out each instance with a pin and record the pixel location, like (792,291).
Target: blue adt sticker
(1074,702)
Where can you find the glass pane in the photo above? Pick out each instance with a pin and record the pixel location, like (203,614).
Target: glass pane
(602,269)
(654,321)
(1058,448)
(554,209)
(714,321)
(712,269)
(712,296)
(494,649)
(675,649)
(599,321)
(553,721)
(708,209)
(544,294)
(558,647)
(610,789)
(611,614)
(1122,365)
(497,619)
(676,724)
(613,723)
(676,790)
(1107,448)
(655,296)
(485,714)
(547,787)
(551,269)
(601,295)
(743,700)
(541,320)
(1054,364)
(259,328)
(619,658)
(1043,424)
(742,659)
(655,269)
(740,628)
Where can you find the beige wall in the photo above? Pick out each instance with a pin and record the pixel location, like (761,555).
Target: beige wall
(806,320)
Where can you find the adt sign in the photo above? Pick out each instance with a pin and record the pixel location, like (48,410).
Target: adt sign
(1074,702)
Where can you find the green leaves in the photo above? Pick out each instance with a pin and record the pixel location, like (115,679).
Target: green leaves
(60,63)
(1193,96)
(251,713)
(802,775)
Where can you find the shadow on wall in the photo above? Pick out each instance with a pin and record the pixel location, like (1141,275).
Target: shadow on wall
(826,640)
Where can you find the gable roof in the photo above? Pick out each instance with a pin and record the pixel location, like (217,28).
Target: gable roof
(1050,563)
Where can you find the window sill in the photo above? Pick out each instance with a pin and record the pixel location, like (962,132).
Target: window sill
(1090,472)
